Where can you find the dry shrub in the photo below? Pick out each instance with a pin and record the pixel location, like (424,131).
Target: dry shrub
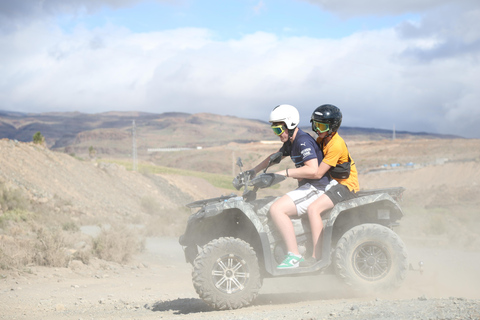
(5,258)
(30,244)
(118,244)
(14,253)
(16,245)
(26,239)
(51,248)
(83,255)
(47,249)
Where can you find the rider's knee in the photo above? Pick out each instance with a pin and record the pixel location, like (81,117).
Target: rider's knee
(274,209)
(312,212)
(314,208)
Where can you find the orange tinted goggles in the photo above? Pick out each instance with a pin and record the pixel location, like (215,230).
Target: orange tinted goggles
(320,127)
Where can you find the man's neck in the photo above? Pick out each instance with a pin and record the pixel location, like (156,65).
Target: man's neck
(327,139)
(294,135)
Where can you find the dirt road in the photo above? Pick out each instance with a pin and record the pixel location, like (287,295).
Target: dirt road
(158,286)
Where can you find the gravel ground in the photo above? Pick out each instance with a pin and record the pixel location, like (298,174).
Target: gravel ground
(158,286)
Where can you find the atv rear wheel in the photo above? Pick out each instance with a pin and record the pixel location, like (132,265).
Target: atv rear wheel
(226,274)
(371,258)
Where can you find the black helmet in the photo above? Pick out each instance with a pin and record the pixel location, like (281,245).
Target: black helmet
(329,114)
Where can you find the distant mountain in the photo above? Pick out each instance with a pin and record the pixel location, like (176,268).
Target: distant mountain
(111,132)
(60,129)
(380,134)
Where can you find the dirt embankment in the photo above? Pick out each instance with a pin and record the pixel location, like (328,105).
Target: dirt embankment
(87,187)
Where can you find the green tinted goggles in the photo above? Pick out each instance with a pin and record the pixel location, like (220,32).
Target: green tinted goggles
(320,127)
(278,130)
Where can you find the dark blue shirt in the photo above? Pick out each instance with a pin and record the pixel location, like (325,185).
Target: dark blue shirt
(302,149)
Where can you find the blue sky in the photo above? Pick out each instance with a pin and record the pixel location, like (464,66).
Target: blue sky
(232,19)
(412,64)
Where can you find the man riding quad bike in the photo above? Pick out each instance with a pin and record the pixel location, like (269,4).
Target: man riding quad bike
(233,245)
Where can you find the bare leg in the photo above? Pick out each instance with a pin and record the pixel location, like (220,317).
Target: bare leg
(314,215)
(281,211)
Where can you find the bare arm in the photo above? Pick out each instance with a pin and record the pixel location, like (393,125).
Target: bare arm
(308,171)
(262,165)
(322,170)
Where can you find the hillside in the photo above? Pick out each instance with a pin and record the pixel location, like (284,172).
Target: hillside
(110,134)
(86,192)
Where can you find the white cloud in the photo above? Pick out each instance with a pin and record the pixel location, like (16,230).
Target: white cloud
(351,8)
(408,76)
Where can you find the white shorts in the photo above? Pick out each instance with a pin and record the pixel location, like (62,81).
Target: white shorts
(303,196)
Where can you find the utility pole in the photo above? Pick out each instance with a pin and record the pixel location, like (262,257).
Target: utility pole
(134,146)
(393,135)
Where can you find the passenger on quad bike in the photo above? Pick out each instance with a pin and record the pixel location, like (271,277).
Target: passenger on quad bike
(233,244)
(306,155)
(338,163)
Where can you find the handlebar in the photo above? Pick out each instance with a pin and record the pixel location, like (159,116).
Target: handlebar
(261,181)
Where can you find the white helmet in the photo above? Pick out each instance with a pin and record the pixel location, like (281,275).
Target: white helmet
(287,114)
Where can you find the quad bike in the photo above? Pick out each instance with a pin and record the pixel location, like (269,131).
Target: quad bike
(233,245)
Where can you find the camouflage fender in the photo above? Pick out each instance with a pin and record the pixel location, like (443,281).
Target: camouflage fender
(384,211)
(258,219)
(248,209)
(213,207)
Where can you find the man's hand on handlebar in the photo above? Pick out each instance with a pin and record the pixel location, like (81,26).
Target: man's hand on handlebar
(249,174)
(241,178)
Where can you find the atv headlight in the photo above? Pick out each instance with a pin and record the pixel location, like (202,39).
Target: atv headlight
(213,209)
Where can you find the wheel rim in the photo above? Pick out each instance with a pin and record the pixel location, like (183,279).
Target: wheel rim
(371,261)
(230,274)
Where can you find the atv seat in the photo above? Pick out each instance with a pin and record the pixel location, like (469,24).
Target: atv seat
(394,192)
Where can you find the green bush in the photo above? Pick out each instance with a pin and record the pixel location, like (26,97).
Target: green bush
(15,206)
(92,152)
(16,215)
(12,199)
(38,138)
(70,226)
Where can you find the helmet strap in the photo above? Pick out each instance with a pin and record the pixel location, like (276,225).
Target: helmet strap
(330,133)
(291,132)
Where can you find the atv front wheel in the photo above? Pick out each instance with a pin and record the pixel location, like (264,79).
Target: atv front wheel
(371,258)
(226,274)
